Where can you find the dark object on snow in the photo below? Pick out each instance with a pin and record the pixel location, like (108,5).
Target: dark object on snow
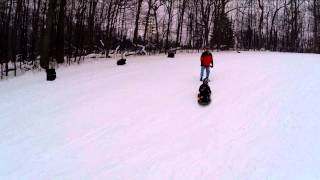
(204,96)
(51,74)
(171,53)
(121,62)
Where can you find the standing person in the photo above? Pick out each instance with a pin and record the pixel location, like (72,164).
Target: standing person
(206,63)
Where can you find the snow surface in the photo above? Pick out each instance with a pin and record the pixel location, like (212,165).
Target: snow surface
(142,121)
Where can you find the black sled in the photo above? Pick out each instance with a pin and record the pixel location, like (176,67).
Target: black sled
(204,100)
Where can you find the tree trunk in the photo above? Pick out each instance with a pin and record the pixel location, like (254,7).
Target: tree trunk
(60,33)
(147,20)
(136,29)
(46,46)
(169,9)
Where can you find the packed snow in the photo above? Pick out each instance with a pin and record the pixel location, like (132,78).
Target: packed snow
(142,121)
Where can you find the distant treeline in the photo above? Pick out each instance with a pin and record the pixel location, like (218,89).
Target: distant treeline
(54,29)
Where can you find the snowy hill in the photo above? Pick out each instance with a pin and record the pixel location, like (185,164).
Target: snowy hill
(142,122)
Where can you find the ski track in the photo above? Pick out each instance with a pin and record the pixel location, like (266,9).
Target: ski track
(142,120)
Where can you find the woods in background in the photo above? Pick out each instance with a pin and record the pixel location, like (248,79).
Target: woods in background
(55,30)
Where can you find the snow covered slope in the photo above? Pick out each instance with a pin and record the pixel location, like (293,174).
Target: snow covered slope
(142,121)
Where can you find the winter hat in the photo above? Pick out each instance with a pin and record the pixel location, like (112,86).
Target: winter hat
(206,81)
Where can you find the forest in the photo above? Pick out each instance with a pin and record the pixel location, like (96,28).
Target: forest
(39,33)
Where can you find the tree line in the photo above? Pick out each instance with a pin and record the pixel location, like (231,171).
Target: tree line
(38,33)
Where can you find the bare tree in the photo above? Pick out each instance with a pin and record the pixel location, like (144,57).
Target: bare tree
(169,10)
(136,28)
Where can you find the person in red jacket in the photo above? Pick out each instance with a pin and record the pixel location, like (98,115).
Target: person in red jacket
(206,63)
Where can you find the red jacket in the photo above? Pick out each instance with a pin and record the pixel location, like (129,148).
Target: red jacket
(206,59)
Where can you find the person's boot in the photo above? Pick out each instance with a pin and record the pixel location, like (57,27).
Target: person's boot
(201,79)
